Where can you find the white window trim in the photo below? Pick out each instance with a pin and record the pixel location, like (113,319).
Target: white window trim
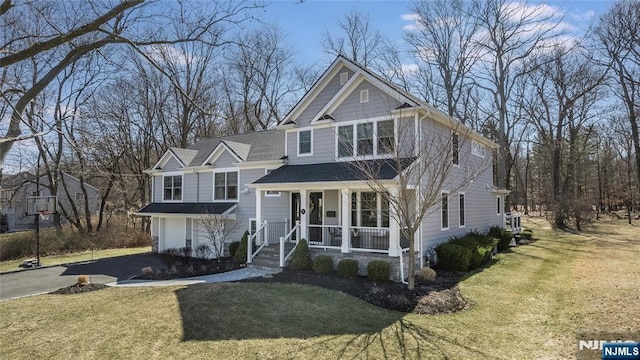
(364,96)
(254,220)
(298,142)
(354,141)
(182,187)
(344,77)
(442,194)
(460,225)
(225,172)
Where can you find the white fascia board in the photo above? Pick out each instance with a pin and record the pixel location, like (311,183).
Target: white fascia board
(164,157)
(358,184)
(259,164)
(444,119)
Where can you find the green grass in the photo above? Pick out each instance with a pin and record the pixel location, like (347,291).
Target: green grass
(10,265)
(528,305)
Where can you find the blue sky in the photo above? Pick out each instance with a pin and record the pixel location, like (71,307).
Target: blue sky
(305,23)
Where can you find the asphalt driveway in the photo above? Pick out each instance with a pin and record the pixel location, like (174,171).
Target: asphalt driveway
(36,281)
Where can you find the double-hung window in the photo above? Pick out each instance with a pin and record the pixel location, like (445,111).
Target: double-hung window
(455,148)
(386,140)
(365,139)
(345,141)
(225,186)
(172,188)
(304,142)
(463,219)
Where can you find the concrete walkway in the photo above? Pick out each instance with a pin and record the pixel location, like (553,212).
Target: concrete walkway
(234,275)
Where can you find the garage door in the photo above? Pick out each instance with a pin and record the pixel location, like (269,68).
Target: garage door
(174,233)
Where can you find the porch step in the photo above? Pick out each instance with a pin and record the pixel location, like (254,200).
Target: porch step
(267,258)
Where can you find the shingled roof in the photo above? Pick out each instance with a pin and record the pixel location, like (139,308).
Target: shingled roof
(256,146)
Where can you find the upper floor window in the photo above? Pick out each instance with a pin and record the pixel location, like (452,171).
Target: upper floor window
(455,148)
(366,139)
(226,186)
(386,140)
(172,187)
(304,142)
(478,149)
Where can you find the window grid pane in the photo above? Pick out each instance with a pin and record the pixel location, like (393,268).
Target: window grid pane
(345,141)
(462,219)
(385,137)
(365,139)
(368,205)
(305,142)
(445,211)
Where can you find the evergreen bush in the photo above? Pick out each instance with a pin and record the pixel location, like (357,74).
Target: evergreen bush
(347,268)
(504,237)
(301,258)
(453,257)
(323,264)
(233,248)
(240,255)
(378,271)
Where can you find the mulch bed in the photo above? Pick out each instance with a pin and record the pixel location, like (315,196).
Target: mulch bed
(78,289)
(437,297)
(193,267)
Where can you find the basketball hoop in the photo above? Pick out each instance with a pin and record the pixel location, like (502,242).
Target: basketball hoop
(44,215)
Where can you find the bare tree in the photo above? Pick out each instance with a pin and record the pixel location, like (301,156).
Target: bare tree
(511,33)
(443,42)
(216,229)
(359,41)
(434,159)
(88,27)
(619,36)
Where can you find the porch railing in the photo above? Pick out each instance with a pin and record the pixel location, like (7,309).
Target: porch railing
(512,222)
(369,239)
(324,236)
(288,244)
(259,234)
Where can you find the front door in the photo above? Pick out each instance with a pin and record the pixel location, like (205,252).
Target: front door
(315,217)
(295,212)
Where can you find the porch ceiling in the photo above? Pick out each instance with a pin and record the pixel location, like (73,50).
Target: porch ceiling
(385,169)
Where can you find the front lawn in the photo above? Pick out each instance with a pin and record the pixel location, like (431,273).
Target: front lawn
(529,304)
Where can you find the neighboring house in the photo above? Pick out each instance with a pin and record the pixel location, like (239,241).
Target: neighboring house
(299,175)
(16,189)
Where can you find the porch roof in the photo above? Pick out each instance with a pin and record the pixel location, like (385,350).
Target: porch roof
(187,208)
(385,169)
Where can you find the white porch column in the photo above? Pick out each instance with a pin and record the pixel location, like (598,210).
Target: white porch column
(304,207)
(346,221)
(394,227)
(259,218)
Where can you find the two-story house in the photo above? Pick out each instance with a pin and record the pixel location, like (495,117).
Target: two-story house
(308,174)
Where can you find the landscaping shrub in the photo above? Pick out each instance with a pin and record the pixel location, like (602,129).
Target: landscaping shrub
(527,234)
(185,254)
(169,256)
(203,251)
(233,248)
(503,236)
(323,264)
(240,255)
(480,246)
(453,257)
(426,274)
(378,271)
(147,271)
(301,258)
(347,268)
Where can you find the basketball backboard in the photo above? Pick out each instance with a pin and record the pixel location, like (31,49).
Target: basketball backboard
(42,204)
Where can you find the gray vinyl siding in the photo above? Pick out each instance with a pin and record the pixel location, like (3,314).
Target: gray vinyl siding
(205,186)
(225,160)
(157,188)
(276,209)
(480,212)
(321,99)
(323,147)
(246,202)
(331,202)
(379,104)
(172,165)
(405,131)
(190,187)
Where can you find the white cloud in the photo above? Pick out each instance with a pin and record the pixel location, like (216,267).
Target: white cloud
(584,16)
